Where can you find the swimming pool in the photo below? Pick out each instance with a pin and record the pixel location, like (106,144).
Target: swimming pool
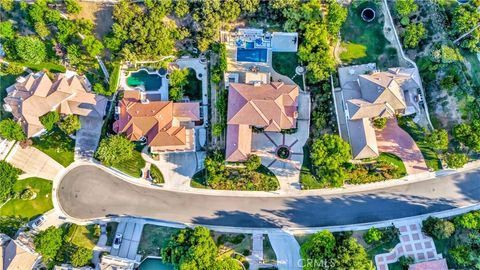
(154,264)
(251,55)
(152,82)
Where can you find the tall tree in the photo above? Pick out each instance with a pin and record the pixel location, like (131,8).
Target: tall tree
(115,149)
(48,242)
(405,7)
(6,30)
(414,33)
(438,139)
(11,130)
(30,49)
(8,178)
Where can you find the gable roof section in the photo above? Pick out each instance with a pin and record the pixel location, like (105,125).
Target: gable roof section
(362,139)
(381,87)
(158,121)
(38,95)
(270,106)
(359,108)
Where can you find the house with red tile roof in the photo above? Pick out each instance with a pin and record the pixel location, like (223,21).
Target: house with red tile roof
(164,125)
(271,107)
(34,96)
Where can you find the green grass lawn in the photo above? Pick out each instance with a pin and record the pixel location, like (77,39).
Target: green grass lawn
(418,135)
(285,64)
(50,66)
(307,179)
(194,87)
(394,160)
(238,242)
(82,236)
(154,238)
(364,42)
(198,180)
(30,208)
(132,167)
(156,175)
(57,145)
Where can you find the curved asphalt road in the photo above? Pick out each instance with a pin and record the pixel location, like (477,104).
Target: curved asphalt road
(89,192)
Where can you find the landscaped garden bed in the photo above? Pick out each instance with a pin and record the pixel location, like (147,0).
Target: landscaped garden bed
(29,208)
(153,239)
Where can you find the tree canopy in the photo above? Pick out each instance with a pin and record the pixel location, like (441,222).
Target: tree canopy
(468,134)
(8,178)
(48,242)
(72,6)
(405,8)
(6,30)
(30,49)
(115,149)
(438,139)
(49,120)
(195,249)
(70,124)
(177,80)
(11,130)
(465,18)
(325,251)
(456,160)
(414,33)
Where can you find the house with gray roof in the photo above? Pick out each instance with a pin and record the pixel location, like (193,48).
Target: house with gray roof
(367,94)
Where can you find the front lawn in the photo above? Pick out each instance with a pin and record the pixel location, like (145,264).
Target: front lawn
(238,242)
(154,238)
(132,167)
(50,66)
(285,64)
(394,160)
(57,145)
(83,236)
(307,179)
(30,209)
(418,135)
(364,42)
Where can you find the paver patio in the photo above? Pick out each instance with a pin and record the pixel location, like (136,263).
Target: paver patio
(413,243)
(395,140)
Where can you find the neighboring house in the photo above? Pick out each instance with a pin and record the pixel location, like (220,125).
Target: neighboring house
(271,107)
(34,96)
(110,262)
(370,96)
(163,125)
(15,255)
(431,265)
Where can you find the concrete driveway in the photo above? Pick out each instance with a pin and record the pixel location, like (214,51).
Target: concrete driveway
(131,234)
(266,144)
(287,251)
(395,140)
(88,137)
(34,163)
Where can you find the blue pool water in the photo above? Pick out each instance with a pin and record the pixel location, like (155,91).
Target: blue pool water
(154,264)
(152,82)
(251,55)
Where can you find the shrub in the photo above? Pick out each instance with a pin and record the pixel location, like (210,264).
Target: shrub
(404,21)
(49,120)
(253,162)
(115,149)
(380,122)
(13,69)
(27,194)
(72,6)
(469,220)
(438,228)
(405,261)
(70,124)
(373,235)
(456,160)
(413,34)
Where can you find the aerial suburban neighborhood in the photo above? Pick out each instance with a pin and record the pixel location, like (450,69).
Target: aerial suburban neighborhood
(240,134)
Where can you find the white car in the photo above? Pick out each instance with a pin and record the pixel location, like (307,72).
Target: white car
(38,222)
(117,241)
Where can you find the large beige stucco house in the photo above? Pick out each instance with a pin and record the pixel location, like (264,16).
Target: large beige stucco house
(367,96)
(272,107)
(35,95)
(163,125)
(16,254)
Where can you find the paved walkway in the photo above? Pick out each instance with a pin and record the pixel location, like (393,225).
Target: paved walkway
(266,144)
(34,163)
(101,245)
(413,243)
(395,140)
(87,137)
(287,251)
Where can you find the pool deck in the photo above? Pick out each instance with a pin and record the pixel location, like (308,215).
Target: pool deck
(123,85)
